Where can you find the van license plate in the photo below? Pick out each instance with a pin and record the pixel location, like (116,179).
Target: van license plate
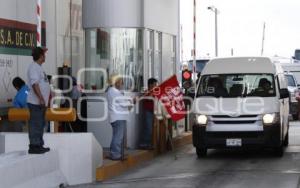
(234,142)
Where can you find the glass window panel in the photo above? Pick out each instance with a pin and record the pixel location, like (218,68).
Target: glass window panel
(150,52)
(157,56)
(116,51)
(168,56)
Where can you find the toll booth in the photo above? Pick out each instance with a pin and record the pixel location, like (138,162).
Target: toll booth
(140,41)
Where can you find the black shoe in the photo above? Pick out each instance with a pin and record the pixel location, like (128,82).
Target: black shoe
(44,149)
(146,147)
(118,159)
(150,148)
(34,149)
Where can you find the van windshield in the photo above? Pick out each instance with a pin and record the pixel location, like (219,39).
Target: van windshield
(237,85)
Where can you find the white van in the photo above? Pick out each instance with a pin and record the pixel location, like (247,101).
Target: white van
(294,92)
(293,68)
(241,102)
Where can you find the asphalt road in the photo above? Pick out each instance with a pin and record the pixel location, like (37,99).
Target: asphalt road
(221,168)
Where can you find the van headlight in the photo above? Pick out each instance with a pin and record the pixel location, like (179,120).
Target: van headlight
(201,119)
(269,119)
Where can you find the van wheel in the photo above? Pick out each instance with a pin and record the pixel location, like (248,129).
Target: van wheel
(201,152)
(295,117)
(278,151)
(286,140)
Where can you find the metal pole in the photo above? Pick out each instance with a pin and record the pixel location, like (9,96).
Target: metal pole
(216,31)
(71,37)
(263,40)
(181,44)
(194,50)
(39,23)
(186,120)
(216,11)
(188,128)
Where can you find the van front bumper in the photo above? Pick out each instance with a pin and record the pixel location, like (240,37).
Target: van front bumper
(269,137)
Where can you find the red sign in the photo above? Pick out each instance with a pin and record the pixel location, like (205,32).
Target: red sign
(171,97)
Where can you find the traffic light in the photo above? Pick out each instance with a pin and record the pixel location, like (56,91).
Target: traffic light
(186,79)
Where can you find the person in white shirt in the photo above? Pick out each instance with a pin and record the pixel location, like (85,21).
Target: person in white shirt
(118,109)
(38,96)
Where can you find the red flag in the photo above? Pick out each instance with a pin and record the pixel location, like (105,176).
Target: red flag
(170,95)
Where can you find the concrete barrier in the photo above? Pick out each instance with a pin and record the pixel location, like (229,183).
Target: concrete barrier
(20,170)
(79,154)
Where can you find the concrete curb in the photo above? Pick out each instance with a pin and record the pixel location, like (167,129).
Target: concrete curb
(111,169)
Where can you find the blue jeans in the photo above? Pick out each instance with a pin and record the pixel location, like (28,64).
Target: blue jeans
(118,139)
(37,124)
(146,139)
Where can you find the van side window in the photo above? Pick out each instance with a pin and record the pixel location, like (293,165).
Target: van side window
(290,80)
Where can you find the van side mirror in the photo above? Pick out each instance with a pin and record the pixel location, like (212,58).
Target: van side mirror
(284,93)
(191,91)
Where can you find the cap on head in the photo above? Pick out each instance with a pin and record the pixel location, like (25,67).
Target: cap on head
(114,78)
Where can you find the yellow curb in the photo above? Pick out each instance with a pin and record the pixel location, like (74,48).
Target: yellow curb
(114,168)
(184,139)
(142,156)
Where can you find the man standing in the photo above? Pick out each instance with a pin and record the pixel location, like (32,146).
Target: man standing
(39,91)
(118,109)
(148,103)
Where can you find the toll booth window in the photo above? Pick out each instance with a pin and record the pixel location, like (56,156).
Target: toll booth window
(111,51)
(237,85)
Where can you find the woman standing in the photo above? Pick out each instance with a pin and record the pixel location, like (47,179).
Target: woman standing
(118,109)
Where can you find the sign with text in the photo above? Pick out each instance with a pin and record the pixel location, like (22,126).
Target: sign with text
(18,38)
(171,97)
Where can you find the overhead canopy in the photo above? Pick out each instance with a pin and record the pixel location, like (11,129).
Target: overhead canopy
(158,15)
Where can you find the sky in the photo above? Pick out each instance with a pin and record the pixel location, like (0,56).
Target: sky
(240,27)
